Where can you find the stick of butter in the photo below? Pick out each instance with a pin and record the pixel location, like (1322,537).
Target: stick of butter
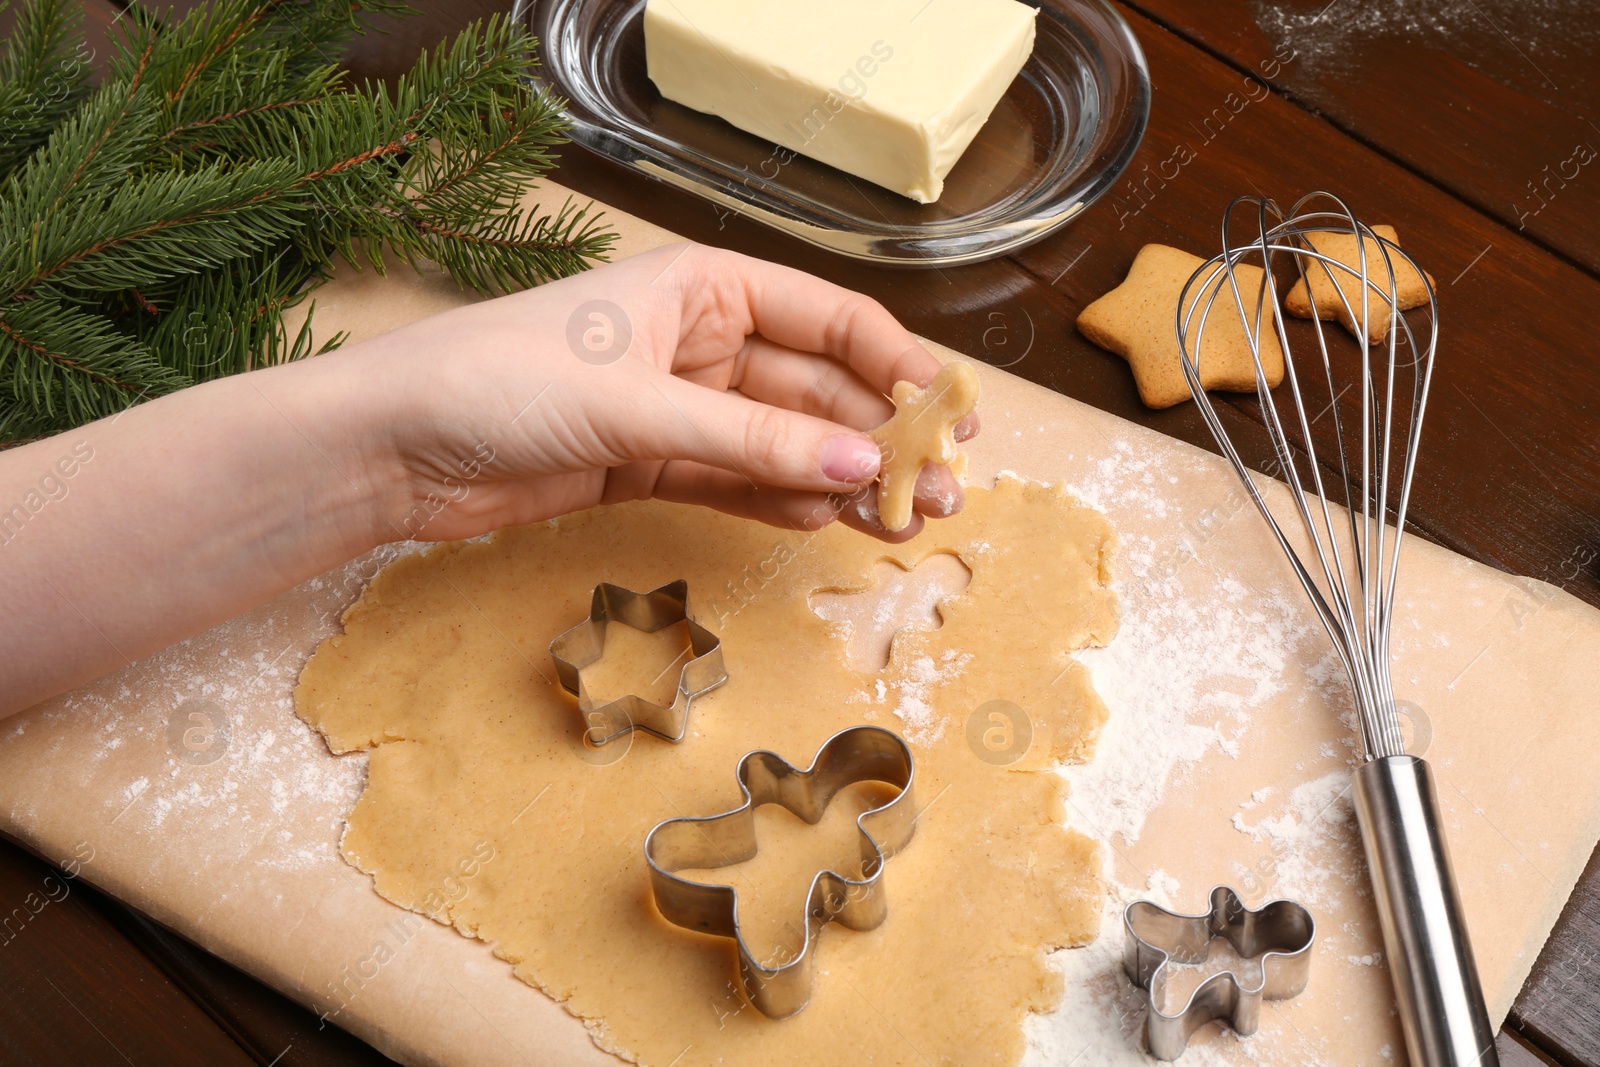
(892,91)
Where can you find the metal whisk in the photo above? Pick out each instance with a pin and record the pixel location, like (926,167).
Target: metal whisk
(1343,482)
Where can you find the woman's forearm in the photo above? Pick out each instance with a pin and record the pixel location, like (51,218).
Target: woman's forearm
(742,386)
(125,535)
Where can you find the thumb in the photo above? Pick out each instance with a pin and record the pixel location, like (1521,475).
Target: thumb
(767,445)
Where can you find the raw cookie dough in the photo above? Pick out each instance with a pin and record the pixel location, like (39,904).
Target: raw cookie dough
(633,662)
(921,431)
(443,672)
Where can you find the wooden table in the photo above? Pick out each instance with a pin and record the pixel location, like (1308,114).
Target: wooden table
(1474,133)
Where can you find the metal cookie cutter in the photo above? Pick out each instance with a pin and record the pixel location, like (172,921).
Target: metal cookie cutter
(859,754)
(1281,932)
(652,611)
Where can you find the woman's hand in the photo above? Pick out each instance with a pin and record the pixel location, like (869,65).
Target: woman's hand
(686,373)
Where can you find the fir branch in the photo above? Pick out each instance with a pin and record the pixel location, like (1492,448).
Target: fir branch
(515,250)
(484,165)
(193,52)
(226,117)
(232,31)
(453,82)
(170,222)
(103,141)
(496,135)
(182,129)
(44,74)
(68,365)
(252,295)
(158,233)
(19,424)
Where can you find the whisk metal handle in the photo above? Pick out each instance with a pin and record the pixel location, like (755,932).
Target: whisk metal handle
(1424,936)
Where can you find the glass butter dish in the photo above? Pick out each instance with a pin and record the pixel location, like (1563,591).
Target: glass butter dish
(1058,139)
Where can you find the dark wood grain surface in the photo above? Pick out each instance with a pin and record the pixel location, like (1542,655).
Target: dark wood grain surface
(1496,102)
(1458,122)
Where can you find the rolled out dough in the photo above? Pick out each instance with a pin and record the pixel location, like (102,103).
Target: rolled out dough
(442,671)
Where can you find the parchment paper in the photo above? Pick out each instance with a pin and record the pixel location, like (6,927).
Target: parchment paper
(198,796)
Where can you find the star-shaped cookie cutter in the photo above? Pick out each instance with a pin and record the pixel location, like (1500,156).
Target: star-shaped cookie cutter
(1280,932)
(858,754)
(584,643)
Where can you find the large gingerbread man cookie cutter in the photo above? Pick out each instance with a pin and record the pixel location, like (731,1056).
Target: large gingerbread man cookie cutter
(858,754)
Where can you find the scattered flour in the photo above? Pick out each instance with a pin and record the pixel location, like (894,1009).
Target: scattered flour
(1317,813)
(1495,36)
(1163,887)
(913,685)
(1181,676)
(272,777)
(1182,679)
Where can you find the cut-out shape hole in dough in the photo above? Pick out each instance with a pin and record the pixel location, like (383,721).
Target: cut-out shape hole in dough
(773,884)
(644,664)
(898,599)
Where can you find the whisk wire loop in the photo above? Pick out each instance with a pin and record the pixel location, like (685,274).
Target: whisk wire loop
(1352,581)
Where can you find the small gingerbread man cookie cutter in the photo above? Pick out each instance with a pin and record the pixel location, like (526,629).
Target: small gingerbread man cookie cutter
(858,754)
(1280,933)
(584,643)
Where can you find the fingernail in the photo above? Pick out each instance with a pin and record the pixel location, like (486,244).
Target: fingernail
(848,458)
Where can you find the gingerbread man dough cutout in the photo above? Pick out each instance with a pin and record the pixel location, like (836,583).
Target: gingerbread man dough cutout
(921,431)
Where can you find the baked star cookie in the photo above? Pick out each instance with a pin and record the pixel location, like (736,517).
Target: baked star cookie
(1138,321)
(921,431)
(1409,288)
